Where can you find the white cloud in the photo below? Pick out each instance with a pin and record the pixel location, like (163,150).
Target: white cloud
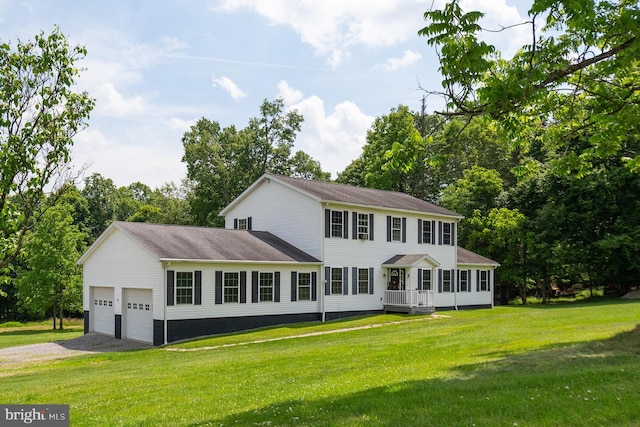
(229,86)
(333,138)
(126,161)
(333,27)
(288,94)
(409,57)
(181,125)
(112,103)
(173,43)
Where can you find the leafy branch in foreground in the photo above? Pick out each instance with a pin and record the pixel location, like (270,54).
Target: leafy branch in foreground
(575,86)
(39,115)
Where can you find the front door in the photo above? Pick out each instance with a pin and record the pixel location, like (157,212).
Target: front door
(396,279)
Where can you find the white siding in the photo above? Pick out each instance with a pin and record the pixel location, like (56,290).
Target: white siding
(288,214)
(340,252)
(120,262)
(209,309)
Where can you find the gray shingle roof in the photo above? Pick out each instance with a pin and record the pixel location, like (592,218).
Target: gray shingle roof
(333,192)
(178,242)
(404,260)
(465,256)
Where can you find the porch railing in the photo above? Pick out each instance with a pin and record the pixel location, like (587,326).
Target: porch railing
(413,298)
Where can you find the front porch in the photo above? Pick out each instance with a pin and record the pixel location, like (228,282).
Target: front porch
(409,301)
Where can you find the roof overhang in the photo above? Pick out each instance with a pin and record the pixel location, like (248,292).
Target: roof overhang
(410,261)
(231,261)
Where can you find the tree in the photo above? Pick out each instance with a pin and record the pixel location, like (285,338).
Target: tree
(223,162)
(393,155)
(52,279)
(100,193)
(40,112)
(501,234)
(478,190)
(578,76)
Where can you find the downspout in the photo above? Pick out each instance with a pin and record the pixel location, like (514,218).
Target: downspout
(455,275)
(322,258)
(493,286)
(164,308)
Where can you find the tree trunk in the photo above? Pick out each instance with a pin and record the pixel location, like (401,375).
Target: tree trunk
(523,293)
(61,312)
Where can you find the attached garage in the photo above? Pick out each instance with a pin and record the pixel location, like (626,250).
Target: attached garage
(138,313)
(103,313)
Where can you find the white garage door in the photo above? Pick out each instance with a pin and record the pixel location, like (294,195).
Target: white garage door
(103,311)
(138,315)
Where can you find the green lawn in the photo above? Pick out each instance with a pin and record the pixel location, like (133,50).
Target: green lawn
(562,365)
(15,334)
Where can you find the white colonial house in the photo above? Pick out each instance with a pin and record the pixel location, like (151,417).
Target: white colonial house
(292,250)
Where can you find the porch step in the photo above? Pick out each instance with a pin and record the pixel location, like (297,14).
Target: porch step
(409,310)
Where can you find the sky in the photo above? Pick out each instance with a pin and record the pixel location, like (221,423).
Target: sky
(155,67)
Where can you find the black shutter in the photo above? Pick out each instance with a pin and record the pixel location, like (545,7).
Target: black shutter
(276,287)
(370,226)
(488,280)
(243,287)
(419,279)
(453,281)
(404,230)
(345,280)
(354,225)
(345,224)
(439,232)
(419,231)
(254,286)
(294,286)
(453,234)
(249,224)
(439,280)
(170,279)
(327,280)
(314,286)
(388,228)
(468,280)
(354,281)
(197,298)
(433,232)
(327,223)
(477,280)
(370,280)
(235,223)
(218,285)
(458,280)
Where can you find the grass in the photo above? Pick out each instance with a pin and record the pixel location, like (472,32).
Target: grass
(571,364)
(16,334)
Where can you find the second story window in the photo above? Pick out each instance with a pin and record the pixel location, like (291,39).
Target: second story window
(446,233)
(336,224)
(396,229)
(242,223)
(426,232)
(363,226)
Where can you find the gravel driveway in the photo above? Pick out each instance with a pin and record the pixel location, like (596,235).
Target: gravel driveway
(86,344)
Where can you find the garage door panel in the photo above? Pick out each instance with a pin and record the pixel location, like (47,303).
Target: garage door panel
(139,315)
(103,311)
